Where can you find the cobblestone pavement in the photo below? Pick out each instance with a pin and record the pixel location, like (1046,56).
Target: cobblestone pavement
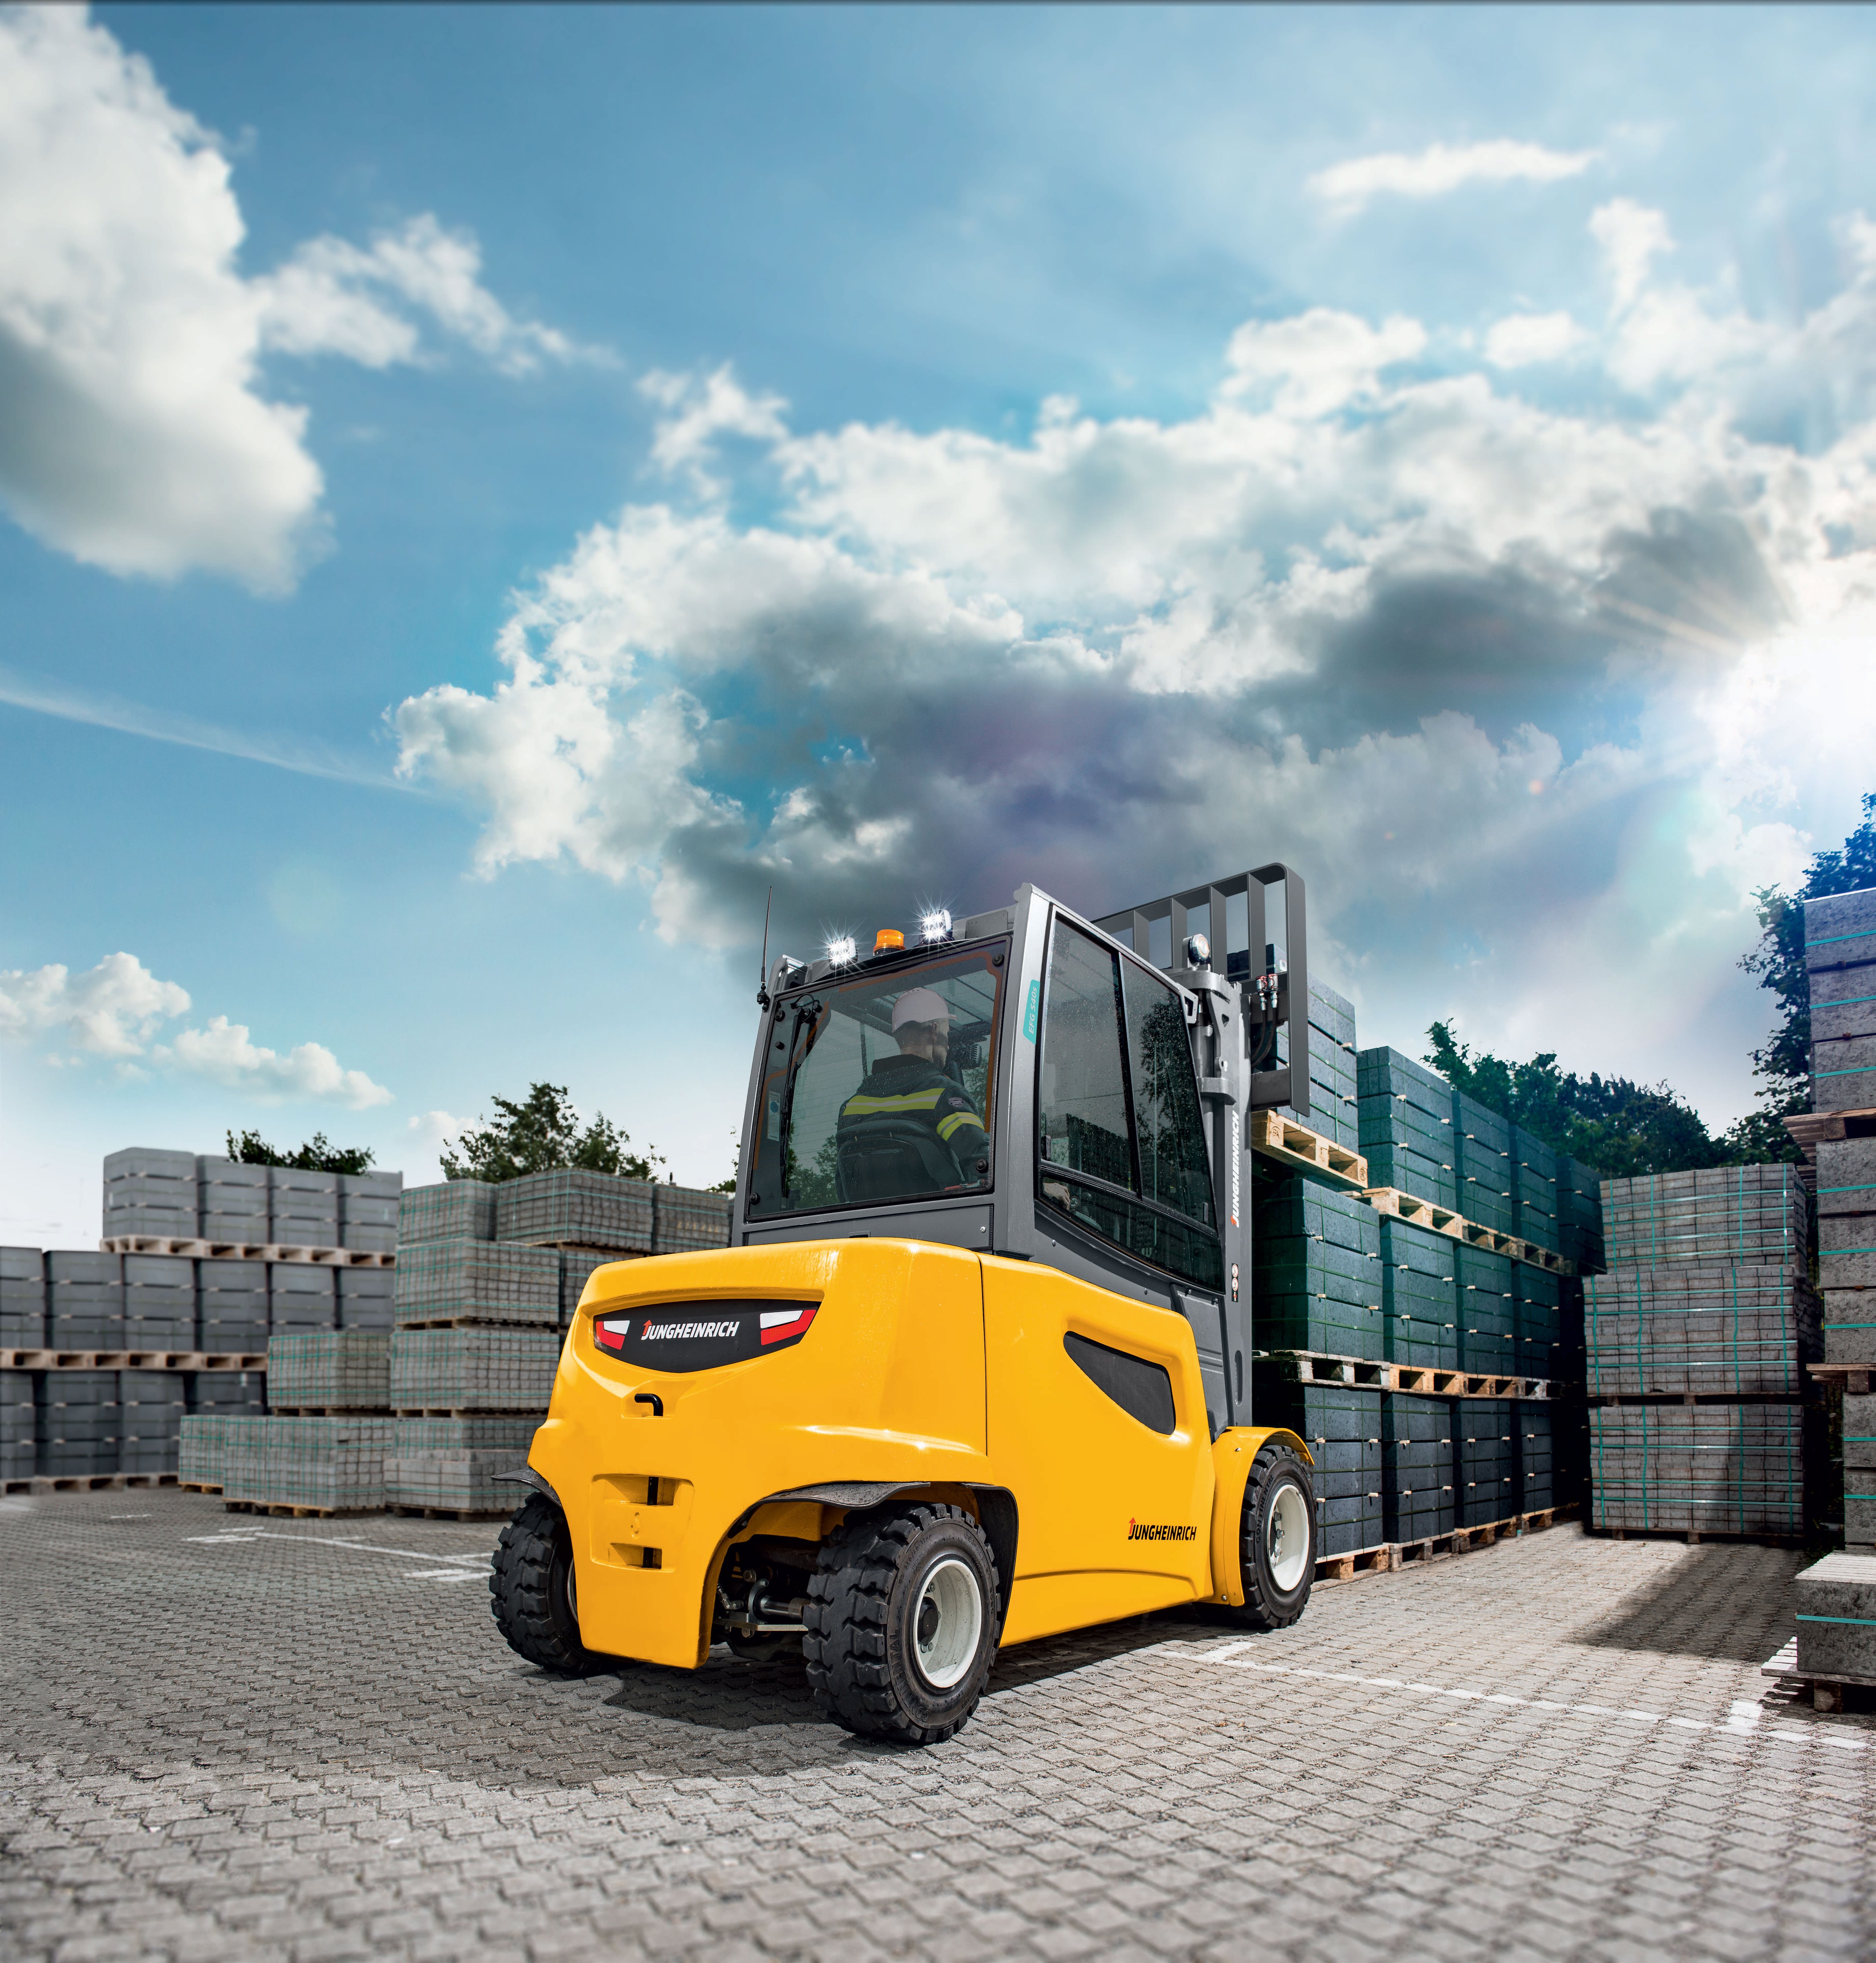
(304,1740)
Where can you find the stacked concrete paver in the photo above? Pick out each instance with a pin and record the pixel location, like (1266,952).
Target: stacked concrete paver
(1697,1339)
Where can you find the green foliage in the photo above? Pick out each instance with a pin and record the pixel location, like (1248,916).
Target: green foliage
(318,1155)
(1621,1127)
(543,1134)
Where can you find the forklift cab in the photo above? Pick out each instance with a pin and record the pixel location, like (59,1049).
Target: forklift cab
(1084,1105)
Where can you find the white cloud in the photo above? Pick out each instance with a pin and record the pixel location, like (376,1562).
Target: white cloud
(1320,360)
(1441,168)
(1630,236)
(116,1009)
(132,434)
(698,411)
(135,433)
(1520,339)
(111,1011)
(333,297)
(225,1052)
(1374,622)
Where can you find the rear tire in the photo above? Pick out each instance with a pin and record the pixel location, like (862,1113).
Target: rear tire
(532,1594)
(1277,1554)
(903,1618)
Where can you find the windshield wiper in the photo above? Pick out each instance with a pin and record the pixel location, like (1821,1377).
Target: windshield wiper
(809,1008)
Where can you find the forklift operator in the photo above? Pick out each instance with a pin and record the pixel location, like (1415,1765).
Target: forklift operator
(914,1089)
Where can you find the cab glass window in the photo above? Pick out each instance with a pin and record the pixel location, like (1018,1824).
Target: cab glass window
(1120,1147)
(878,1088)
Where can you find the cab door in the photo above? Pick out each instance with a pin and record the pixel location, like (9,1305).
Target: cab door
(1097,1425)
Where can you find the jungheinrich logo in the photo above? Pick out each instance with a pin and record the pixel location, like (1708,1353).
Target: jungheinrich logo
(701,1335)
(1146,1530)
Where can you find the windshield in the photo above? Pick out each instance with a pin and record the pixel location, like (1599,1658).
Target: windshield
(878,1087)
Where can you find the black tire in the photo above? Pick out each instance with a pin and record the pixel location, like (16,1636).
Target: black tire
(1267,1554)
(531,1588)
(881,1575)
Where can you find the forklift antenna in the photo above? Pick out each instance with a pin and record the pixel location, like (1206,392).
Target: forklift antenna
(762,980)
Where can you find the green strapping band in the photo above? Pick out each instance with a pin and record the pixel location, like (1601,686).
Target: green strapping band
(1858,1622)
(1832,939)
(1863,1072)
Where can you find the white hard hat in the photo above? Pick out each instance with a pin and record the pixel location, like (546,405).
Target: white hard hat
(919,1005)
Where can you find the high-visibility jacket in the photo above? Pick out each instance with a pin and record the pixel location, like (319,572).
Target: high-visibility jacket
(913,1088)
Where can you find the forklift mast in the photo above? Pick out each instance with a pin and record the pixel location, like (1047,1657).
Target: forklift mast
(1233,998)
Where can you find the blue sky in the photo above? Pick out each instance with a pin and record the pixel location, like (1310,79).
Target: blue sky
(487,491)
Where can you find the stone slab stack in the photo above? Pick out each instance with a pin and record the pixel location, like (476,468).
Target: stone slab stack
(65,1313)
(1836,1618)
(1840,954)
(1695,1341)
(22,1298)
(1334,1108)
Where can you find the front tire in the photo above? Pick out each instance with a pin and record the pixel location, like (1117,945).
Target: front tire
(1277,1554)
(903,1618)
(532,1594)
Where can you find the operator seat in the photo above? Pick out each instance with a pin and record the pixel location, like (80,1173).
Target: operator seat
(887,1157)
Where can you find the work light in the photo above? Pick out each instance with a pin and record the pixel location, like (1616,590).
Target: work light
(936,925)
(840,950)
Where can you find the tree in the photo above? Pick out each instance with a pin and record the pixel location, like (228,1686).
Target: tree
(318,1155)
(1621,1127)
(544,1134)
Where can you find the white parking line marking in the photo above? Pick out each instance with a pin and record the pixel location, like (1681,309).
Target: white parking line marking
(448,1567)
(1746,1720)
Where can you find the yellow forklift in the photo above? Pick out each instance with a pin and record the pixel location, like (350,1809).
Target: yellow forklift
(975,1368)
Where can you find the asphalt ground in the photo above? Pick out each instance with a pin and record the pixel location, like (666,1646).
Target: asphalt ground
(229,1736)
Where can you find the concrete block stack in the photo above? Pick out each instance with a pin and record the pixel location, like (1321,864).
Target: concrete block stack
(84,1301)
(1696,1342)
(1836,1618)
(1334,1109)
(1334,1277)
(19,1445)
(232,1199)
(22,1298)
(184,1196)
(151,1192)
(336,1370)
(1406,1126)
(313,1465)
(457,1464)
(216,1293)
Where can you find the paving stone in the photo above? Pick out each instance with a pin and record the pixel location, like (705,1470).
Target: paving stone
(297,1745)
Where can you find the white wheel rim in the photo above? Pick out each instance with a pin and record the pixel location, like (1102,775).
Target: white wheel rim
(944,1641)
(1286,1537)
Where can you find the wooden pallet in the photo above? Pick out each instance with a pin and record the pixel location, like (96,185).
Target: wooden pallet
(1853,1377)
(279,1510)
(551,1327)
(507,1411)
(89,1482)
(1399,1205)
(1423,1380)
(1826,1692)
(1818,1128)
(326,1410)
(132,1359)
(190,1486)
(1297,1146)
(1695,1536)
(1389,1556)
(244,1250)
(451,1513)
